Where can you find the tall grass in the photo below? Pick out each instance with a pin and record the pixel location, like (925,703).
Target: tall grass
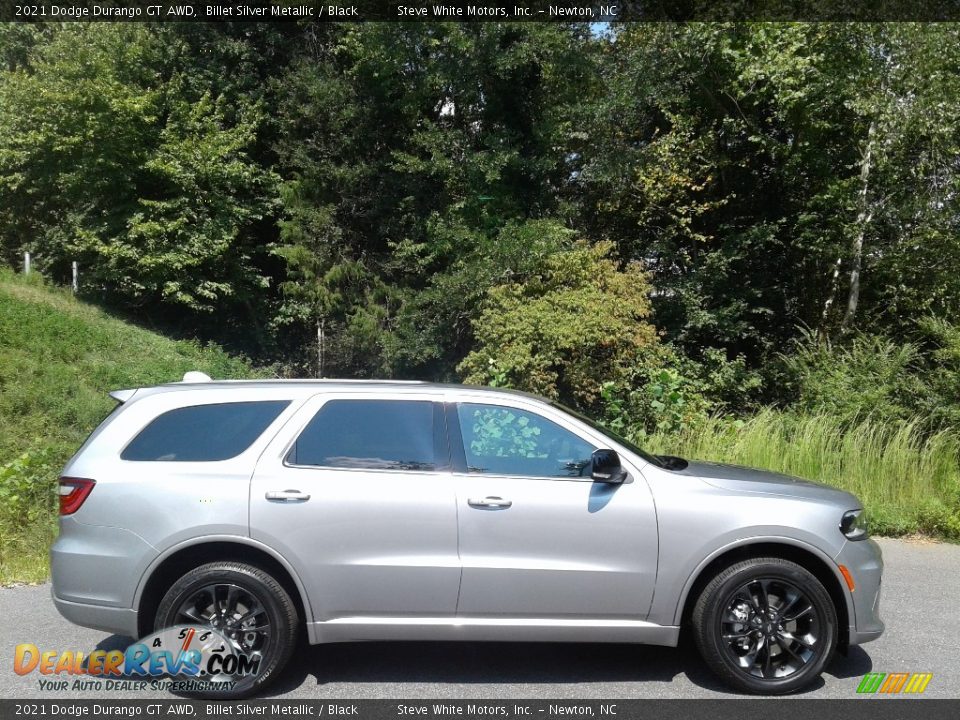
(909,481)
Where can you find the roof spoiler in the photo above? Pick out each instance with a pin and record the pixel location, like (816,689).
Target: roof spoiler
(193,376)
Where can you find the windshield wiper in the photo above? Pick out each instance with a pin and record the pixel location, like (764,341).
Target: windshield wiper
(671,462)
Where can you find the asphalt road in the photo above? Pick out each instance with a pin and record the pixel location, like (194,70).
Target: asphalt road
(919,606)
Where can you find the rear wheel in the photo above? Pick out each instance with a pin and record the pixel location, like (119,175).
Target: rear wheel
(244,605)
(765,626)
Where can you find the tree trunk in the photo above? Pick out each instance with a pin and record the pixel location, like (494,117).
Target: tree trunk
(832,295)
(258,334)
(321,322)
(864,216)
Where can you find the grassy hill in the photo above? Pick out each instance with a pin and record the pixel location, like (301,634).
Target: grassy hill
(59,357)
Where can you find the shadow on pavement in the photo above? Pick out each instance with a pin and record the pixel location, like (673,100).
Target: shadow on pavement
(508,663)
(856,664)
(479,663)
(114,642)
(514,664)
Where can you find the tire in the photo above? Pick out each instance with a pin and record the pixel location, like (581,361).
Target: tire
(788,607)
(255,592)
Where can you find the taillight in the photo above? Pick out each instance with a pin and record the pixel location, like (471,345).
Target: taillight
(73,491)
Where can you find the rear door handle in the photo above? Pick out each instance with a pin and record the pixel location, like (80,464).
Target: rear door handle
(491,501)
(287,495)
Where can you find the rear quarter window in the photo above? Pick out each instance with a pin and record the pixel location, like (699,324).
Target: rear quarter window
(203,433)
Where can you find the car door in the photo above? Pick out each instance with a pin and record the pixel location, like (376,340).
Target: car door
(356,493)
(539,538)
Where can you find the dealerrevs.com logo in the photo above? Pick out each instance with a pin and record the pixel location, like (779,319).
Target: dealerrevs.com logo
(894,683)
(182,658)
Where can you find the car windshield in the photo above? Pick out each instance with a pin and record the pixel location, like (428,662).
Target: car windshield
(649,457)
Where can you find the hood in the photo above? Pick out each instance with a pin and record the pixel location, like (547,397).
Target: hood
(745,479)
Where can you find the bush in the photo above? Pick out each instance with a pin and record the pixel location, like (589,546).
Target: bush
(654,399)
(565,330)
(28,515)
(28,489)
(871,376)
(868,377)
(669,393)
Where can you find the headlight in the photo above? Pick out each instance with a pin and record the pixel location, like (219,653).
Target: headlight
(853,524)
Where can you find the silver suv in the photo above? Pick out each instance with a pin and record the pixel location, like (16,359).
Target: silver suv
(369,510)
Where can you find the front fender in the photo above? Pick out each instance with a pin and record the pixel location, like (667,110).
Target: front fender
(761,537)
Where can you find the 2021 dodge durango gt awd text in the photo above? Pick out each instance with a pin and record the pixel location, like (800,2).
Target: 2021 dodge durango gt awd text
(372,510)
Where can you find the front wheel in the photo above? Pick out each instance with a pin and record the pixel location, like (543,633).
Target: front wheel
(245,606)
(765,626)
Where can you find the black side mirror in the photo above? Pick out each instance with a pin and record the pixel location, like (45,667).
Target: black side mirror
(606,468)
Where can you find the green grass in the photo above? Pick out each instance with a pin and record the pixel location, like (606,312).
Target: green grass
(58,359)
(909,482)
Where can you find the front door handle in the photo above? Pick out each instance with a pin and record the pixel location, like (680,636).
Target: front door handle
(491,501)
(287,495)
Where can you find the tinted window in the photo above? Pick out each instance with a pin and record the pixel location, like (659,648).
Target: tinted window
(508,441)
(652,459)
(203,432)
(374,435)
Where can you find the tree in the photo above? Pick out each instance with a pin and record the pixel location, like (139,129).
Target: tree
(714,156)
(115,153)
(906,240)
(565,330)
(327,289)
(415,150)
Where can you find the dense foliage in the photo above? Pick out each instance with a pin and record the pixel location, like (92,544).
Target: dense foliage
(773,208)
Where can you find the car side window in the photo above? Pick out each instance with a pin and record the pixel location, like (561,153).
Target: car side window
(374,435)
(203,433)
(508,441)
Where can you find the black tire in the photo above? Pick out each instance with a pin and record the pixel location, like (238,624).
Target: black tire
(274,645)
(753,630)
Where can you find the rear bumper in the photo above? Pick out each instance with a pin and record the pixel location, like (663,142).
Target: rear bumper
(95,570)
(118,621)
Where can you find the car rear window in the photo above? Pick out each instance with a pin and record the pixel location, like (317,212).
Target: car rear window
(374,435)
(203,433)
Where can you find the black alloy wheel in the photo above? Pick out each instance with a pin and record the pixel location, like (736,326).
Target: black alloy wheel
(248,608)
(770,627)
(233,611)
(765,626)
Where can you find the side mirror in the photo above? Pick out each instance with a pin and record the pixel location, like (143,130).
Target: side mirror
(606,468)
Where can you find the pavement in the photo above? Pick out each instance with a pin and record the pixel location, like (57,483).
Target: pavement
(921,594)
